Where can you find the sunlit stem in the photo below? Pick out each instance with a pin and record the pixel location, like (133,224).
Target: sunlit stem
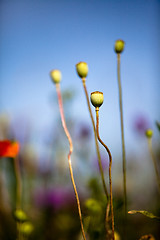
(69,154)
(107,219)
(110,166)
(154,162)
(95,137)
(98,153)
(122,135)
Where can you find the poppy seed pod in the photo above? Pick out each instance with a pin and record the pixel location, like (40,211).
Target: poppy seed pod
(149,133)
(56,76)
(119,46)
(82,69)
(97,99)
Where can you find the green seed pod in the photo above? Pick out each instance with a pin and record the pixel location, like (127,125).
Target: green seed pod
(20,215)
(82,69)
(56,76)
(119,46)
(26,228)
(149,133)
(97,98)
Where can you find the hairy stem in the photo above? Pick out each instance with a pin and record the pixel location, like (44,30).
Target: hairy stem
(95,137)
(110,166)
(154,162)
(122,135)
(69,155)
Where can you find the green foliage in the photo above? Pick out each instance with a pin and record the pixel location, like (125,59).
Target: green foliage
(145,213)
(93,206)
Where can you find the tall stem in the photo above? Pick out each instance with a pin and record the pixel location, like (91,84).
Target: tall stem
(154,162)
(18,183)
(98,154)
(110,166)
(122,135)
(69,155)
(18,191)
(95,138)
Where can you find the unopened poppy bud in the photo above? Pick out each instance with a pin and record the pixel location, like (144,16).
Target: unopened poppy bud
(149,133)
(20,215)
(97,98)
(56,76)
(119,46)
(82,69)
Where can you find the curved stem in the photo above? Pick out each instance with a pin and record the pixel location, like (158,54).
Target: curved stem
(98,155)
(122,135)
(110,166)
(95,138)
(69,155)
(154,162)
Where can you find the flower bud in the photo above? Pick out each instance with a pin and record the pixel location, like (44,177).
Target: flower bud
(149,133)
(97,98)
(26,228)
(82,69)
(119,46)
(56,76)
(20,215)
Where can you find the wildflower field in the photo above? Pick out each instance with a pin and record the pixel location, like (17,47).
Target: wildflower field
(93,171)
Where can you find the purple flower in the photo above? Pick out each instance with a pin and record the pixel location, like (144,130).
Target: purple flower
(84,131)
(104,161)
(141,124)
(55,198)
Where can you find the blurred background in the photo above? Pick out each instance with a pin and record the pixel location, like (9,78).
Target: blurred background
(38,36)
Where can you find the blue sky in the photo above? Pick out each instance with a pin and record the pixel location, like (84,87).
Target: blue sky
(37,36)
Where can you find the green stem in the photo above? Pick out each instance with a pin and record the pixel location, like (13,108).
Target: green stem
(69,155)
(18,191)
(122,135)
(154,162)
(110,166)
(18,183)
(95,138)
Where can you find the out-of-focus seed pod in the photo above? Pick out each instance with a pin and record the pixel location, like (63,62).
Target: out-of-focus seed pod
(26,228)
(20,215)
(82,69)
(56,76)
(119,46)
(149,133)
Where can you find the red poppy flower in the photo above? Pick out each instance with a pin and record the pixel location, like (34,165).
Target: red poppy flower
(9,148)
